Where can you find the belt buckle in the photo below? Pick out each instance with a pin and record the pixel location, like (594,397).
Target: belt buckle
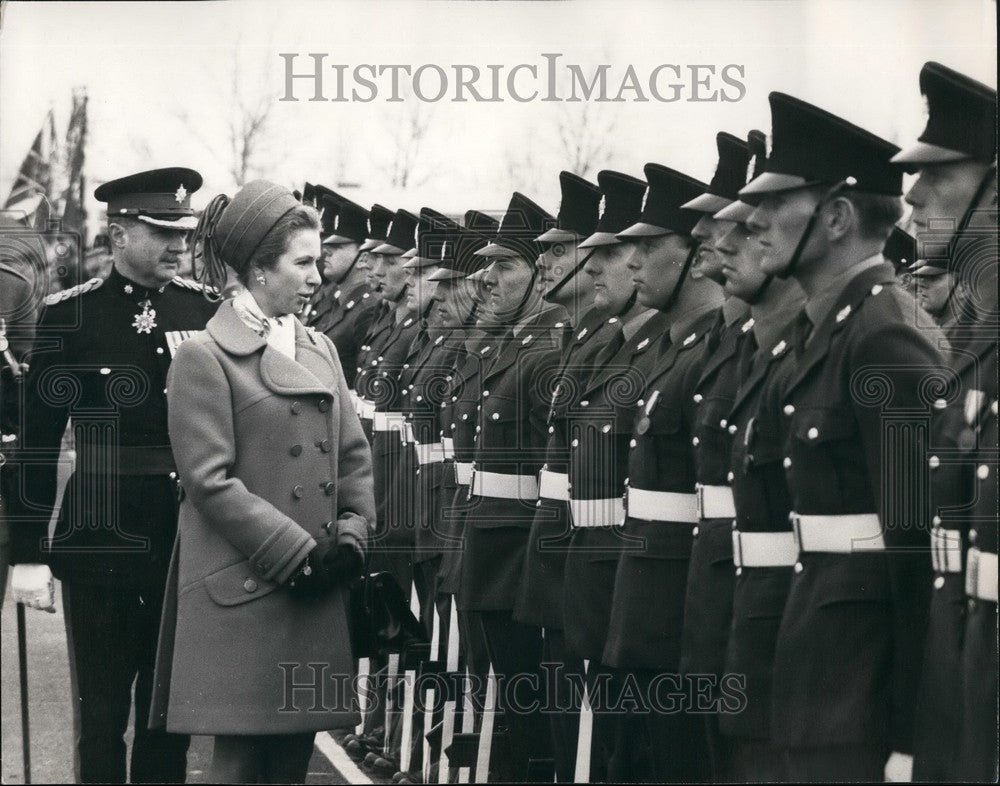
(699,500)
(472,479)
(972,573)
(738,549)
(796,520)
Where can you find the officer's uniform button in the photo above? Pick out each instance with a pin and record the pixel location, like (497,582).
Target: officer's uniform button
(105,371)
(798,567)
(973,535)
(983,472)
(694,532)
(739,571)
(297,492)
(486,394)
(173,476)
(729,477)
(786,462)
(789,409)
(575,443)
(632,443)
(584,403)
(250,585)
(296,450)
(812,433)
(538,504)
(940,403)
(295,408)
(465,416)
(697,398)
(496,416)
(934,462)
(939,582)
(723,423)
(159,350)
(695,441)
(478,429)
(936,521)
(552,429)
(732,429)
(606,428)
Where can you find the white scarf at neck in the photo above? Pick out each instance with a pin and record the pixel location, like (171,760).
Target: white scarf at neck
(278,332)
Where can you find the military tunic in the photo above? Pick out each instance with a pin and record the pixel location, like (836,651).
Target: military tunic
(347,326)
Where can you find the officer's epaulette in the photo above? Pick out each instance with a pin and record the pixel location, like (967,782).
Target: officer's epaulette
(79,289)
(194,286)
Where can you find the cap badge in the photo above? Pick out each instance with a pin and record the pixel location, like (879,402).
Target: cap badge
(844,313)
(747,325)
(145,320)
(408,322)
(645,196)
(336,222)
(180,194)
(603,206)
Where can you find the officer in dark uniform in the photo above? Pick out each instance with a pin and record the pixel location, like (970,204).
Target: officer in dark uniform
(509,451)
(847,659)
(101,357)
(587,330)
(347,324)
(763,543)
(708,604)
(660,518)
(394,534)
(955,157)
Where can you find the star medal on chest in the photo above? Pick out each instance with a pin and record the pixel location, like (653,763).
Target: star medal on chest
(145,320)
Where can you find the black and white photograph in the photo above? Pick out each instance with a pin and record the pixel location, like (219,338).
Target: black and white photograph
(498,391)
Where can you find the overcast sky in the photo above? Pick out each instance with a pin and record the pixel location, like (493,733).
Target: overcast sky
(160,81)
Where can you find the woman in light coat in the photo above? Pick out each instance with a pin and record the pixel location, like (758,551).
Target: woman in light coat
(277,505)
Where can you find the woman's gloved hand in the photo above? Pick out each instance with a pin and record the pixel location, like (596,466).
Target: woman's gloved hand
(326,567)
(344,564)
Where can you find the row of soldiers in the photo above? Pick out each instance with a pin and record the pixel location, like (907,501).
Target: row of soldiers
(690,461)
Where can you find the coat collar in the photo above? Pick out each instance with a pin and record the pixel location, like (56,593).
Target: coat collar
(279,372)
(869,282)
(731,341)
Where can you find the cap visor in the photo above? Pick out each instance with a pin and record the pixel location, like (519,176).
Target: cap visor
(478,275)
(338,240)
(494,250)
(926,153)
(445,274)
(772,182)
(927,271)
(369,245)
(600,239)
(737,211)
(418,263)
(389,250)
(707,203)
(184,222)
(643,229)
(556,235)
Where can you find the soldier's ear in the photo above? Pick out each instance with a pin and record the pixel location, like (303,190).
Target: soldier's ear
(842,217)
(118,234)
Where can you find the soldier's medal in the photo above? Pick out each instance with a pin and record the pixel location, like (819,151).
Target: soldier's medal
(643,425)
(145,320)
(967,439)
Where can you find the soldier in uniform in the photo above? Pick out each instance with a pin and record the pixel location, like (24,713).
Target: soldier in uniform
(846,664)
(763,543)
(708,604)
(955,156)
(587,329)
(659,502)
(508,453)
(346,266)
(101,357)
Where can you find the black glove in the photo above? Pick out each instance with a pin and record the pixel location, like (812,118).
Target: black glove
(344,564)
(311,579)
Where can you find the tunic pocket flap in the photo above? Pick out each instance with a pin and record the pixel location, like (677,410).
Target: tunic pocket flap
(237,584)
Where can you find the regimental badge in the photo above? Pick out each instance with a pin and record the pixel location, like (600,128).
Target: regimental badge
(643,344)
(180,194)
(350,304)
(779,348)
(642,426)
(581,334)
(645,196)
(129,289)
(844,313)
(407,323)
(145,320)
(690,339)
(603,206)
(748,325)
(526,340)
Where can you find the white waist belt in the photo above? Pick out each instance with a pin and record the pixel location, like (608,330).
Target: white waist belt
(366,409)
(981,575)
(496,484)
(946,550)
(448,446)
(429,452)
(463,473)
(553,485)
(715,502)
(597,512)
(764,549)
(847,533)
(661,506)
(389,421)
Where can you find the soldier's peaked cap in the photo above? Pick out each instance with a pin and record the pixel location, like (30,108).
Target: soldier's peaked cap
(158,196)
(961,119)
(664,212)
(811,146)
(739,211)
(521,224)
(401,236)
(349,225)
(379,218)
(479,228)
(436,238)
(730,175)
(579,210)
(622,207)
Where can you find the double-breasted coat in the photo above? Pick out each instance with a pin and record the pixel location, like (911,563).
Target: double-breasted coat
(272,460)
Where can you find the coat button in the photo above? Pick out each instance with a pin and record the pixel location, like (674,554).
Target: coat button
(694,532)
(297,492)
(323,405)
(695,441)
(789,409)
(295,450)
(732,428)
(329,488)
(250,585)
(786,462)
(325,446)
(939,582)
(934,462)
(296,407)
(798,567)
(496,416)
(983,471)
(812,433)
(328,527)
